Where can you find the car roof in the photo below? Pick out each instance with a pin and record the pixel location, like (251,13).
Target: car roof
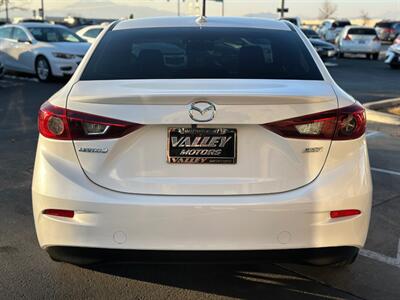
(357,26)
(388,22)
(97,26)
(237,22)
(41,25)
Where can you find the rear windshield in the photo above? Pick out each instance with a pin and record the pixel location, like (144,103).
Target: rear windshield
(184,53)
(341,23)
(362,31)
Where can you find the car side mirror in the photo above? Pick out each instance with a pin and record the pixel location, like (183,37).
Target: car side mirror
(25,41)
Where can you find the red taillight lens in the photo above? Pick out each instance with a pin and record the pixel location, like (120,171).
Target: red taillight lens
(351,122)
(340,124)
(52,122)
(63,124)
(347,38)
(344,213)
(59,213)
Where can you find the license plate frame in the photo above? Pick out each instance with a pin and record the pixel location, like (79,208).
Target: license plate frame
(193,145)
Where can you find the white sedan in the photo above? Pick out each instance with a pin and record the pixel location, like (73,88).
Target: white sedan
(359,40)
(42,49)
(90,33)
(240,144)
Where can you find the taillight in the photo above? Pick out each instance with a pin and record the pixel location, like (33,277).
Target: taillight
(347,37)
(52,122)
(339,124)
(63,124)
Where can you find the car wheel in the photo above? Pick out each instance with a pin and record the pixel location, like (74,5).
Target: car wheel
(375,56)
(42,68)
(341,55)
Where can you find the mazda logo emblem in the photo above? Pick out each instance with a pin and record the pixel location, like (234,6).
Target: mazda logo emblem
(202,111)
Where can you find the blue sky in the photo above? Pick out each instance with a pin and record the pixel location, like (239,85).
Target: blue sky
(305,9)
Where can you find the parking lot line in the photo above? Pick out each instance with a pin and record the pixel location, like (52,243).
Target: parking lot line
(386,171)
(393,261)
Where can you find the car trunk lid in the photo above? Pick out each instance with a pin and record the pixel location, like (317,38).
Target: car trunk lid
(265,162)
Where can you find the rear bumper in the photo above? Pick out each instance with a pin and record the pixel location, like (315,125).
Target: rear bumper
(317,256)
(295,219)
(351,48)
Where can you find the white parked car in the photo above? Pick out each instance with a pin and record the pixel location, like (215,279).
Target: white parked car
(393,54)
(90,33)
(245,147)
(331,28)
(359,40)
(42,49)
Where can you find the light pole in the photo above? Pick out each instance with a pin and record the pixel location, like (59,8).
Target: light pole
(42,9)
(6,4)
(282,9)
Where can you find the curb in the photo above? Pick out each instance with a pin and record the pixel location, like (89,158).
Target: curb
(381,117)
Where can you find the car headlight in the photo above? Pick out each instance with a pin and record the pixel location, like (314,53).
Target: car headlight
(63,55)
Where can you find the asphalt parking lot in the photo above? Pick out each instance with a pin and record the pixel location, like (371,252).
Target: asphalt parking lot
(27,272)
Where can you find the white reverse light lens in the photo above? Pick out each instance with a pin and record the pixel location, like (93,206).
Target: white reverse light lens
(310,128)
(94,129)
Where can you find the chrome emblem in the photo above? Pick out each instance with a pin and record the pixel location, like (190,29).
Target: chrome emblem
(313,149)
(92,150)
(202,111)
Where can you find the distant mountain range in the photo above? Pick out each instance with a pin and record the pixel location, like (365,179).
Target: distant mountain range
(107,9)
(263,15)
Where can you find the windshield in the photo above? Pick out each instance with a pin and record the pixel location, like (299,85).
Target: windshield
(362,31)
(341,24)
(172,53)
(54,35)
